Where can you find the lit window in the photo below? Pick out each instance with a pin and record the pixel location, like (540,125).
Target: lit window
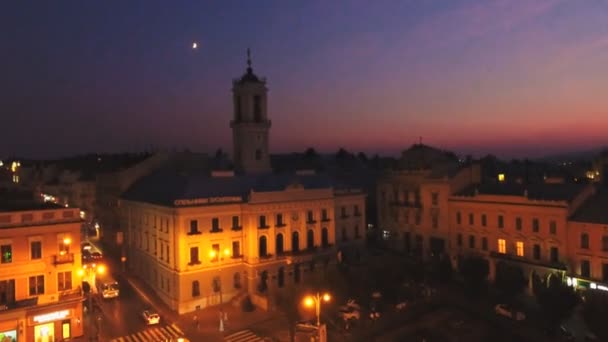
(520,248)
(502,246)
(501,177)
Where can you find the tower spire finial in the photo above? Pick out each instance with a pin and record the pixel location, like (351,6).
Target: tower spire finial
(248,59)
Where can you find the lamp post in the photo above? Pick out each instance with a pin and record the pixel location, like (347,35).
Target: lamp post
(315,300)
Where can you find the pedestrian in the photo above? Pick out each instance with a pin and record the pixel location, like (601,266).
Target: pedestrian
(226,318)
(195,321)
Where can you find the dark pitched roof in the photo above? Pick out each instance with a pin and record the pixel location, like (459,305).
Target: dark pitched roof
(167,185)
(540,191)
(21,201)
(594,210)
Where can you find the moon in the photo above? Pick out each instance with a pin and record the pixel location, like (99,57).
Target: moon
(194,45)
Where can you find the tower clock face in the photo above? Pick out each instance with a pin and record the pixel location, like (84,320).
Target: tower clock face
(294,216)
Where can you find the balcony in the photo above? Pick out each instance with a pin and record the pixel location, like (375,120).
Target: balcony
(236,228)
(325,219)
(194,232)
(66,258)
(311,221)
(264,227)
(70,294)
(216,230)
(280,225)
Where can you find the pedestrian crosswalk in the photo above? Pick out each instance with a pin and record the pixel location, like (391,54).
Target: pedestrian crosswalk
(243,336)
(153,334)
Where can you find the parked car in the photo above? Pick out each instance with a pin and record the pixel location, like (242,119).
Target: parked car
(349,313)
(86,246)
(151,317)
(96,256)
(505,310)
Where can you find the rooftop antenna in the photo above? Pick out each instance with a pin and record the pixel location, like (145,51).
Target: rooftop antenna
(249,60)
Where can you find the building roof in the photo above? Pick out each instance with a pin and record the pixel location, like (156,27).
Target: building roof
(166,185)
(11,200)
(594,210)
(539,191)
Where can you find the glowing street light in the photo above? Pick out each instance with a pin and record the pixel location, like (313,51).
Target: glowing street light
(212,254)
(67,241)
(101,269)
(315,300)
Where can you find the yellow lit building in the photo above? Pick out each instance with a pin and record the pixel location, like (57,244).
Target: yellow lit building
(200,237)
(40,294)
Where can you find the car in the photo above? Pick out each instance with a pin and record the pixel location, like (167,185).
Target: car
(96,256)
(507,311)
(151,317)
(349,313)
(86,256)
(86,246)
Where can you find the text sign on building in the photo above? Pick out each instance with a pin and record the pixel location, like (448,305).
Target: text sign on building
(53,316)
(209,200)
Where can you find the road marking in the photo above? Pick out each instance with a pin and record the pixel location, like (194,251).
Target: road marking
(174,326)
(128,338)
(243,336)
(171,331)
(147,334)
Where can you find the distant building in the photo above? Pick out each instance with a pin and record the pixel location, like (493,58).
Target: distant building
(40,294)
(203,236)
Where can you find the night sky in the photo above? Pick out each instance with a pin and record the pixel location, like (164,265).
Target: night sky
(510,77)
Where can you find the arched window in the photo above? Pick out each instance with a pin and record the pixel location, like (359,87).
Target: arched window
(295,242)
(236,280)
(296,273)
(310,239)
(324,237)
(585,240)
(263,285)
(281,277)
(196,288)
(279,244)
(263,250)
(217,284)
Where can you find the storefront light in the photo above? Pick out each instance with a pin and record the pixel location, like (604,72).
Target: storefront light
(569,281)
(53,316)
(593,286)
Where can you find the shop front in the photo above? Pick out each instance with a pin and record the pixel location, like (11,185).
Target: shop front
(55,323)
(11,325)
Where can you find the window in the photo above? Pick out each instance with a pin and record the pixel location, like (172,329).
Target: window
(296,273)
(36,285)
(585,241)
(518,223)
(310,239)
(520,248)
(458,218)
(536,252)
(471,241)
(552,227)
(435,198)
(502,246)
(237,108)
(281,277)
(258,154)
(585,269)
(554,254)
(535,225)
(471,219)
(435,221)
(459,240)
(263,247)
(167,253)
(484,243)
(64,280)
(196,288)
(257,108)
(605,243)
(194,227)
(236,249)
(215,224)
(356,211)
(235,223)
(357,234)
(417,218)
(216,284)
(263,221)
(36,250)
(484,220)
(7,291)
(236,280)
(280,220)
(295,242)
(215,254)
(310,217)
(324,216)
(501,221)
(7,253)
(343,212)
(194,256)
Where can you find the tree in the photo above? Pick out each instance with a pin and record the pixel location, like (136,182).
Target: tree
(595,311)
(475,272)
(509,280)
(557,301)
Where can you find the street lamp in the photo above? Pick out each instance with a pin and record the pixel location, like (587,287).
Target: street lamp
(315,300)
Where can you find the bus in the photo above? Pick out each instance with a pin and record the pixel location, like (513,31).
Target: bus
(107,286)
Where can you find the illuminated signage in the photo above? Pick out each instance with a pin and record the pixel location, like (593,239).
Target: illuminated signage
(53,316)
(210,200)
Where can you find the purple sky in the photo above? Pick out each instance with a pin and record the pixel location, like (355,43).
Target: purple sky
(510,77)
